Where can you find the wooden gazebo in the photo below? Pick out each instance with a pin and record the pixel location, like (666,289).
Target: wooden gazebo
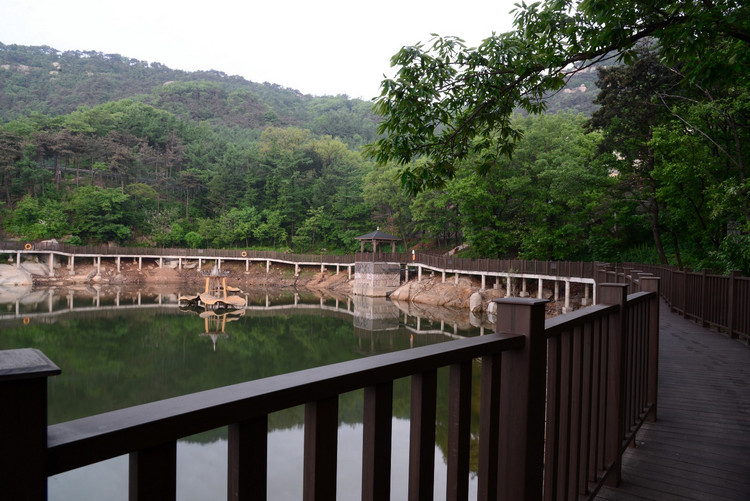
(377,237)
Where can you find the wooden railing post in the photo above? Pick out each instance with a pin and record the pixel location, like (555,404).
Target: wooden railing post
(652,284)
(522,400)
(23,423)
(616,361)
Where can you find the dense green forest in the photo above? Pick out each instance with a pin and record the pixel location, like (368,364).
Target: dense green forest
(99,148)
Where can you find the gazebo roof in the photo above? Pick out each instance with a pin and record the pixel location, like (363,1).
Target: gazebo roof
(377,235)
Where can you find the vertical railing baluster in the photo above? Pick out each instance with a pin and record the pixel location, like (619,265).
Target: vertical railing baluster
(376,442)
(422,436)
(489,425)
(459,432)
(551,449)
(585,420)
(563,438)
(596,367)
(248,460)
(153,473)
(320,457)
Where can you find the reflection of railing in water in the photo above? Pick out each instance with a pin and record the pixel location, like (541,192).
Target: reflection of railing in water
(98,302)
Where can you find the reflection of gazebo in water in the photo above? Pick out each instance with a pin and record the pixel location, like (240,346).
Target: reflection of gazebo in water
(377,237)
(215,323)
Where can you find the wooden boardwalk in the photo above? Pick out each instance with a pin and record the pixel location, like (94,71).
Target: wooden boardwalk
(699,447)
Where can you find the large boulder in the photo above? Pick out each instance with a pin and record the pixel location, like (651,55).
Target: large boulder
(12,276)
(35,268)
(476,303)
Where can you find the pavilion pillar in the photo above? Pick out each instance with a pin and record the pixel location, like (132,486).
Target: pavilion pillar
(140,263)
(540,289)
(98,265)
(51,264)
(18,259)
(117,259)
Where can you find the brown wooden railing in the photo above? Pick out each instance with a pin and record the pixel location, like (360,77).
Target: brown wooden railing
(719,301)
(560,400)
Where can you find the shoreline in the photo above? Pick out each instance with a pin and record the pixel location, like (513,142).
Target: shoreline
(465,295)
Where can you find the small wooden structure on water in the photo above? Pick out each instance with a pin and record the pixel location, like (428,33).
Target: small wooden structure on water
(215,294)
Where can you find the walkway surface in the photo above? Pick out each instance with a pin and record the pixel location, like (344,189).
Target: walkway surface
(699,447)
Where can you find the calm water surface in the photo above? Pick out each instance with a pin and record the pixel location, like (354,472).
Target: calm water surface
(119,348)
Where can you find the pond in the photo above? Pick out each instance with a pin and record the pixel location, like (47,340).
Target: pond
(119,348)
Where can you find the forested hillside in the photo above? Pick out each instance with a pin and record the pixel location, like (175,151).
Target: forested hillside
(98,148)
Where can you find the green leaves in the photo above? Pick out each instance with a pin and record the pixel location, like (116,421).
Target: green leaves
(447,100)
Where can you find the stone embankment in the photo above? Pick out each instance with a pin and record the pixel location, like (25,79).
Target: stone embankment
(468,295)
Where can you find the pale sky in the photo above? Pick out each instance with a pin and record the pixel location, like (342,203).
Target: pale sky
(323,47)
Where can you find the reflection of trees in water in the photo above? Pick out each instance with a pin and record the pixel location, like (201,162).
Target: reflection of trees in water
(118,357)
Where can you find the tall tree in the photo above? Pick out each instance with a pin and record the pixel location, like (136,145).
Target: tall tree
(448,100)
(629,112)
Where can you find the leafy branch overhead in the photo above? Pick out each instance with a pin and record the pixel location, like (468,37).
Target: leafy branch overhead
(447,100)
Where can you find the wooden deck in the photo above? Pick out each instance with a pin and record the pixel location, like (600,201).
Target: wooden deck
(699,447)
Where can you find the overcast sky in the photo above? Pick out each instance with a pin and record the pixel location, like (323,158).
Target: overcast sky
(323,47)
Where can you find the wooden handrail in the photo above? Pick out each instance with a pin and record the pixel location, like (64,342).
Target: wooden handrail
(92,439)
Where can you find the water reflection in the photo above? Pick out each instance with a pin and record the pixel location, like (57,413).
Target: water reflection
(120,347)
(368,314)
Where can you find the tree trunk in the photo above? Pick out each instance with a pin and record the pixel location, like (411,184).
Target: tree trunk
(677,250)
(655,230)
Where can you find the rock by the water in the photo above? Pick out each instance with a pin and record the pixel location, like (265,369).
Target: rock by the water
(11,276)
(476,303)
(35,268)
